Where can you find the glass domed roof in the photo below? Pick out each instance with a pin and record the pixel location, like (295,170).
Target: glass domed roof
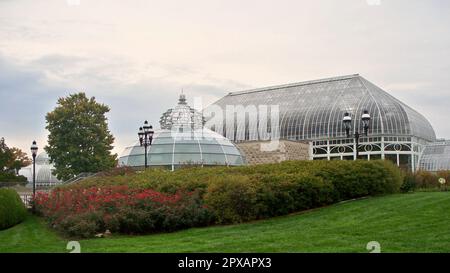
(43,159)
(182,140)
(314,110)
(182,116)
(199,147)
(44,171)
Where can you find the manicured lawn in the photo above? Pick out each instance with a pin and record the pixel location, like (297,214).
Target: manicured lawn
(418,222)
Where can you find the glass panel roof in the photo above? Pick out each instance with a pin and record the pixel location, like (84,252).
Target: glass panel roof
(314,110)
(436,157)
(200,147)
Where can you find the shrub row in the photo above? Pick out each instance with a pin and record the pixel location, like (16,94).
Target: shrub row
(85,212)
(12,210)
(213,195)
(295,186)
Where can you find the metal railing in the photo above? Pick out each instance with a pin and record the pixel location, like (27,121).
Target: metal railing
(26,199)
(78,178)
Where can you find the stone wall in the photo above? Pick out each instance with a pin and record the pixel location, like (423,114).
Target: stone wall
(262,152)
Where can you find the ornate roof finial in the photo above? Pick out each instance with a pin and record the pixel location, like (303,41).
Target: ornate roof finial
(182,99)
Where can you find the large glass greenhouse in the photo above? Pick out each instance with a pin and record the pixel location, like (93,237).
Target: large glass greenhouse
(313,111)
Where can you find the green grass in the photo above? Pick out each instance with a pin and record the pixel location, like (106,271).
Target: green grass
(418,222)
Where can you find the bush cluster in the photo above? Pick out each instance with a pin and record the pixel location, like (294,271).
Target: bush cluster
(11,177)
(279,189)
(218,195)
(12,210)
(425,180)
(85,212)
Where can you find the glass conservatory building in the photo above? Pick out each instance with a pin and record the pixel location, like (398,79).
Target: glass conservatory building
(436,157)
(182,140)
(313,111)
(44,169)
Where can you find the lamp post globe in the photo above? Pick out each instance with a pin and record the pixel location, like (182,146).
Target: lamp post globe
(146,127)
(366,120)
(347,120)
(141,135)
(150,133)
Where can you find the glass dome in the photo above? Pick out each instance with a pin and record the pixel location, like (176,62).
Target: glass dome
(42,159)
(182,116)
(44,171)
(182,141)
(198,147)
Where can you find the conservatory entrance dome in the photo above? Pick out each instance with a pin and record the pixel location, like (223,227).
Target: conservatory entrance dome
(182,140)
(44,171)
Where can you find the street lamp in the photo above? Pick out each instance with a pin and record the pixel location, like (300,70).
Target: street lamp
(347,120)
(34,149)
(145,138)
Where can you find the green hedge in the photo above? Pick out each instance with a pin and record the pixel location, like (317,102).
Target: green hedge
(11,177)
(274,190)
(246,193)
(12,210)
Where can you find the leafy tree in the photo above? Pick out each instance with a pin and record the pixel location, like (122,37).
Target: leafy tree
(11,160)
(18,160)
(5,155)
(79,139)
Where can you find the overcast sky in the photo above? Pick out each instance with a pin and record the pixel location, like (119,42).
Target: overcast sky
(137,56)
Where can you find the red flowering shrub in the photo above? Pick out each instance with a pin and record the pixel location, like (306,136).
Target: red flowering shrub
(85,212)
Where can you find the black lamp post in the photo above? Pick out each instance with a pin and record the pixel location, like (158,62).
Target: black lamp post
(34,149)
(365,118)
(145,138)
